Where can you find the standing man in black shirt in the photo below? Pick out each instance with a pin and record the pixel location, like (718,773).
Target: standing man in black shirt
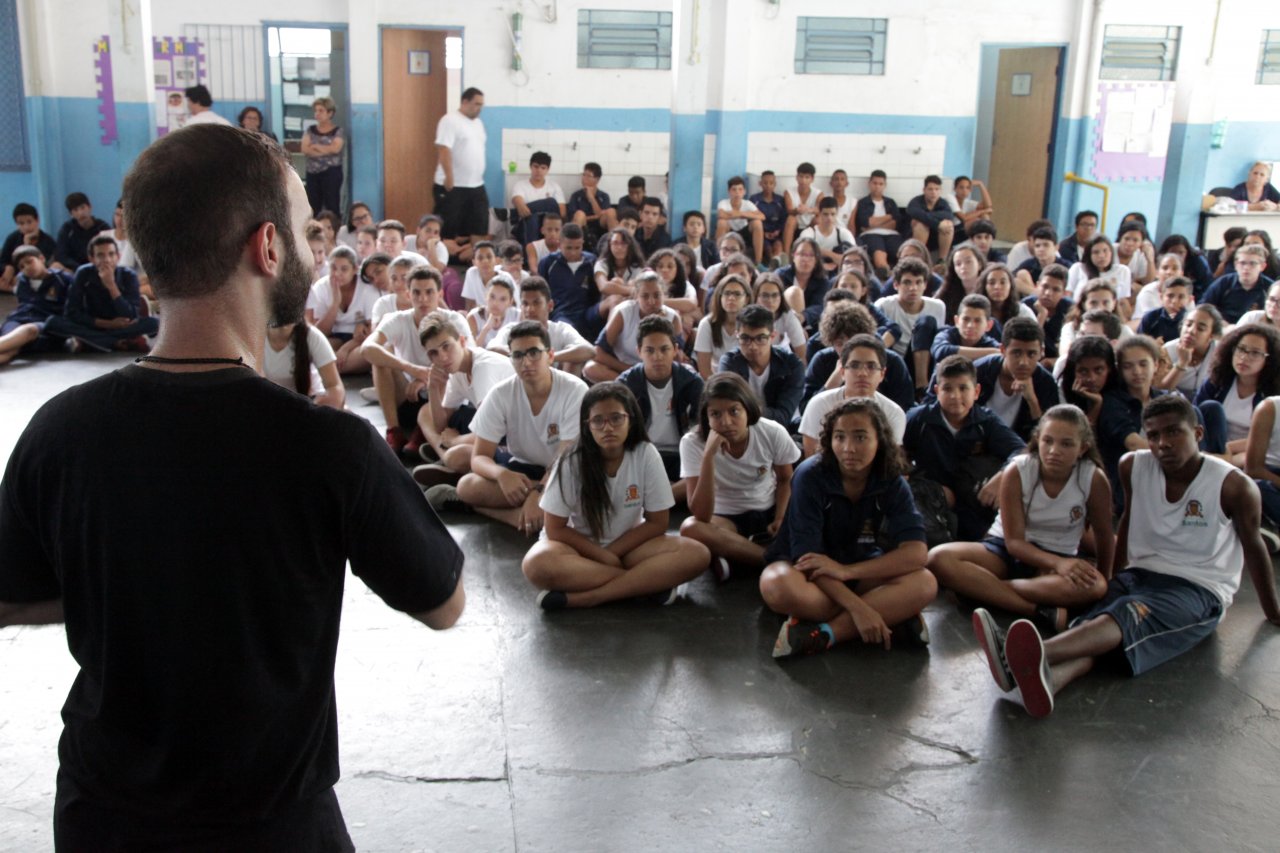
(202,592)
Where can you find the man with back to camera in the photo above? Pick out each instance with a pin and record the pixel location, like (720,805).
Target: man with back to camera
(200,105)
(459,181)
(203,716)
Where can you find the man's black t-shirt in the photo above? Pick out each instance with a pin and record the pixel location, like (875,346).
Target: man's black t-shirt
(196,527)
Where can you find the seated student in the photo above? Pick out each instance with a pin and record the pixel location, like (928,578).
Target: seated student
(1165,323)
(499,310)
(788,332)
(876,220)
(319,247)
(1051,309)
(359,215)
(391,242)
(965,208)
(1222,260)
(399,363)
(1021,250)
(1029,562)
(550,242)
(652,235)
(341,306)
(1120,420)
(668,392)
(806,280)
(1269,316)
(695,235)
(918,316)
(1190,526)
(740,216)
(1261,237)
(961,445)
(461,376)
(538,412)
(982,236)
(1044,251)
(397,296)
(832,239)
(1190,355)
(1088,371)
(611,217)
(72,248)
(963,277)
(1135,250)
(606,507)
(729,246)
(571,349)
(1245,371)
(1148,298)
(511,260)
(1015,385)
(862,362)
(839,183)
(1072,249)
(996,283)
(737,471)
(774,374)
(366,241)
(842,319)
(1096,296)
(104,309)
(801,204)
(1193,262)
(621,259)
(718,331)
(299,356)
(931,217)
(918,250)
(1100,264)
(533,196)
(569,274)
(42,295)
(586,207)
(616,348)
(971,334)
(1243,290)
(484,266)
(774,208)
(1262,463)
(693,271)
(826,571)
(428,243)
(28,233)
(856,259)
(679,293)
(376,270)
(857,282)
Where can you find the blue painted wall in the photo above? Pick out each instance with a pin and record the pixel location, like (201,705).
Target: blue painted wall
(1245,142)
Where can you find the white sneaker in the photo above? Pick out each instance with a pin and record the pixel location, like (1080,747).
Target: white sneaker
(369,395)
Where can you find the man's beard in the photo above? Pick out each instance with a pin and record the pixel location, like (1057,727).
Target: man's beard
(289,294)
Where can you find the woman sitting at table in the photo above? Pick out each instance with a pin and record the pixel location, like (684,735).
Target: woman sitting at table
(1257,189)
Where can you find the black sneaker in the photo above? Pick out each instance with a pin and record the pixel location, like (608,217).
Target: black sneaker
(663,597)
(1024,650)
(444,498)
(1050,620)
(435,474)
(911,634)
(991,639)
(800,638)
(552,599)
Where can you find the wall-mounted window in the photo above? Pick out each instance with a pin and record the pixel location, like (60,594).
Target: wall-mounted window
(1139,52)
(840,45)
(613,39)
(1269,58)
(13,131)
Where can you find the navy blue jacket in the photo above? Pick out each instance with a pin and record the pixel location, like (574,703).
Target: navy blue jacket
(1158,324)
(785,386)
(866,208)
(88,300)
(1069,249)
(686,393)
(1232,300)
(938,454)
(775,212)
(896,384)
(1046,389)
(708,254)
(73,242)
(947,342)
(1052,324)
(578,201)
(918,211)
(1033,267)
(572,292)
(814,292)
(37,304)
(44,242)
(660,239)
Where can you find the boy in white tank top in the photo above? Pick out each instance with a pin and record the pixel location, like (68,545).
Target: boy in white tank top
(1190,525)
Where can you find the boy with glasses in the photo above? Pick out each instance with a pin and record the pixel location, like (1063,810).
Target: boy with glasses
(775,374)
(863,360)
(1243,290)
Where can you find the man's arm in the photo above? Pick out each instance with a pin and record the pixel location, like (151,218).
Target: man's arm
(444,156)
(446,614)
(1243,505)
(375,351)
(35,613)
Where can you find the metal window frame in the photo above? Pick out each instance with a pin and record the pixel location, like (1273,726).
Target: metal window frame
(1269,59)
(623,39)
(844,45)
(1136,52)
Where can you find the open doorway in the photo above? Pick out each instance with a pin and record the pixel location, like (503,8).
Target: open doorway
(305,63)
(421,79)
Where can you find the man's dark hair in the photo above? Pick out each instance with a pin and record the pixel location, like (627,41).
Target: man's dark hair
(509,250)
(806,169)
(1057,271)
(693,214)
(865,341)
(911,266)
(768,173)
(1085,213)
(736,181)
(976,300)
(932,179)
(1022,329)
(199,94)
(1045,232)
(102,240)
(829,203)
(1112,328)
(470,93)
(1036,225)
(981,226)
(594,169)
(655,325)
(628,213)
(529,329)
(536,284)
(391,225)
(24,209)
(571,231)
(1171,404)
(193,198)
(76,199)
(879,173)
(540,158)
(22,253)
(429,217)
(956,365)
(955,182)
(837,294)
(635,181)
(755,317)
(650,201)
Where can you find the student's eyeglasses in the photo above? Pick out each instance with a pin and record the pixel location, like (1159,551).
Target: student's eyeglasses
(753,340)
(1243,263)
(533,354)
(1251,354)
(614,420)
(733,294)
(864,366)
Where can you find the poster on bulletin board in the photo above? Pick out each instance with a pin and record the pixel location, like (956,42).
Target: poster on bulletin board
(1131,130)
(179,64)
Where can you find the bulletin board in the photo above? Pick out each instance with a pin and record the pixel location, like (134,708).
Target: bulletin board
(106,89)
(1131,130)
(179,64)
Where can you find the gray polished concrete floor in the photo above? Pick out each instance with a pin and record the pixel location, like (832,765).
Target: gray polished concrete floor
(633,728)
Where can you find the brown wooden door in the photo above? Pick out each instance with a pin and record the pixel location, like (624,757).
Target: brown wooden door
(412,104)
(1026,102)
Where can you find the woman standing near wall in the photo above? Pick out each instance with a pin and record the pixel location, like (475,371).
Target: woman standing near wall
(322,143)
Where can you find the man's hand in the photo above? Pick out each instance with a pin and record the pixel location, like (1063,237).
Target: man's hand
(515,486)
(1080,572)
(531,514)
(437,379)
(822,566)
(989,494)
(871,625)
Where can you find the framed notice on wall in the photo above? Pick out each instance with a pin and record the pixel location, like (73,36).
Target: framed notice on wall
(419,62)
(179,64)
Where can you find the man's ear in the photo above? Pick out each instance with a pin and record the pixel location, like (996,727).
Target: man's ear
(264,249)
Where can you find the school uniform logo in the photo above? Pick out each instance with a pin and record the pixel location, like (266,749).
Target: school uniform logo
(633,494)
(671,406)
(762,470)
(867,536)
(1193,515)
(553,433)
(1077,513)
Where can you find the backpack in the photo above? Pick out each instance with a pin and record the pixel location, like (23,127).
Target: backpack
(940,522)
